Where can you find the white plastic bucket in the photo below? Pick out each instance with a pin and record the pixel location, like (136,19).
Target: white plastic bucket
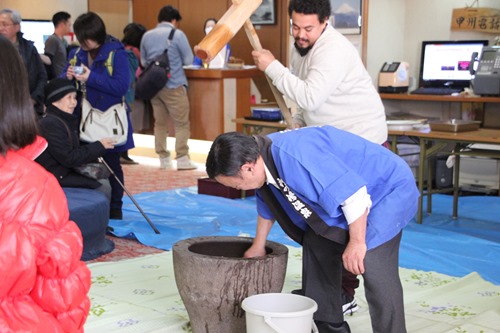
(279,313)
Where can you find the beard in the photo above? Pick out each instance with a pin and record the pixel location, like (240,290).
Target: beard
(302,41)
(302,50)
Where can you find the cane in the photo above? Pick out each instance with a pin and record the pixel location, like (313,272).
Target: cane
(100,159)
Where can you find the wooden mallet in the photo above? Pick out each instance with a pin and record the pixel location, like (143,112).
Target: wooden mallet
(225,29)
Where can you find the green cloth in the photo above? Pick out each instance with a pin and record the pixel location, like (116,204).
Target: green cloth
(140,295)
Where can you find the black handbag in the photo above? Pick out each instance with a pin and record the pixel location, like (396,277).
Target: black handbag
(93,170)
(155,76)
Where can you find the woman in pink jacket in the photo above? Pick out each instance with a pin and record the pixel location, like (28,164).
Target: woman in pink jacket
(43,283)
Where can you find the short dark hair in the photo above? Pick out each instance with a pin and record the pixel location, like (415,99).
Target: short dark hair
(229,152)
(320,7)
(132,34)
(60,17)
(18,127)
(208,20)
(90,26)
(169,13)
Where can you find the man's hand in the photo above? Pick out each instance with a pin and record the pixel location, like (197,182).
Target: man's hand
(262,59)
(355,251)
(354,256)
(258,248)
(255,251)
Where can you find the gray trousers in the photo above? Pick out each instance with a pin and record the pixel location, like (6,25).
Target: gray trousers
(322,281)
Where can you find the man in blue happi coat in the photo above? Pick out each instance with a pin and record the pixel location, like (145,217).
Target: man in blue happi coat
(345,199)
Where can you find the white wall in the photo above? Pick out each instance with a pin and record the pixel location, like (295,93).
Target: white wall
(386,22)
(396,29)
(43,10)
(115,13)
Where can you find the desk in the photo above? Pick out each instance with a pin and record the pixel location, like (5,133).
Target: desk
(432,141)
(441,98)
(486,109)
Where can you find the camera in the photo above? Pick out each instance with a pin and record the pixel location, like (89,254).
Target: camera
(78,70)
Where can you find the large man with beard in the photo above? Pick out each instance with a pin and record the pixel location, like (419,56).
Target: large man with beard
(329,84)
(327,79)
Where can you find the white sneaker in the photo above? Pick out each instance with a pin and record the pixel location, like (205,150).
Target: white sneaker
(165,163)
(349,304)
(184,163)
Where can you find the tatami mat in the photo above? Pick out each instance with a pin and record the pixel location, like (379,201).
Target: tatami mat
(140,295)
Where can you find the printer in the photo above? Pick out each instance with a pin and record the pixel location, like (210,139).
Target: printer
(393,77)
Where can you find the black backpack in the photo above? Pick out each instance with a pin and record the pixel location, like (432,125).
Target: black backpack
(155,76)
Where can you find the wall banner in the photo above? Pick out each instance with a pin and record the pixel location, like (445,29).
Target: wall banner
(476,19)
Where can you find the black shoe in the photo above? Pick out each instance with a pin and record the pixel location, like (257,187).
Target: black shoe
(349,305)
(116,214)
(324,327)
(127,160)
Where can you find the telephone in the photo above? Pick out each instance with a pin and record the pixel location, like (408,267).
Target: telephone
(393,77)
(487,76)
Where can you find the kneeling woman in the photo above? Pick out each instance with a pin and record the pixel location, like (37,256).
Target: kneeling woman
(60,128)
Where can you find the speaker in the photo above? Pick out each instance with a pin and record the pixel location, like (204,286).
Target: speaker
(443,176)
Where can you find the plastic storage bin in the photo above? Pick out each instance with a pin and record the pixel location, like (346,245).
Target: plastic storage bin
(266,113)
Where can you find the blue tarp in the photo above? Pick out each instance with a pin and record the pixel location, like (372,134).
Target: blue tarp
(453,247)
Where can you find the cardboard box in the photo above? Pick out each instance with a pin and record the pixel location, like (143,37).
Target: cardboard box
(211,187)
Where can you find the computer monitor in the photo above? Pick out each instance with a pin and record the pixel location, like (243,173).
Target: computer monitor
(37,31)
(446,63)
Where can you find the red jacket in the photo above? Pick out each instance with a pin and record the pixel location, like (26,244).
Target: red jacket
(43,283)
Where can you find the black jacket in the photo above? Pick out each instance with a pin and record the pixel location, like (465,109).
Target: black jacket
(37,76)
(64,151)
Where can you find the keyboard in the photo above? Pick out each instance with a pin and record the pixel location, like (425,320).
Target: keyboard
(435,91)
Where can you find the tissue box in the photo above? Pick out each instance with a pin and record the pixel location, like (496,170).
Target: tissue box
(211,187)
(266,113)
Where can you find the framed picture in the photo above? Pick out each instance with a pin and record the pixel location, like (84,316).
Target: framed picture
(265,13)
(346,16)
